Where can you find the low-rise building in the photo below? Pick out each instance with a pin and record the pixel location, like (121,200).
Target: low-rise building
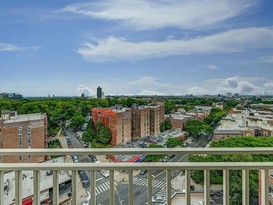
(46,184)
(245,123)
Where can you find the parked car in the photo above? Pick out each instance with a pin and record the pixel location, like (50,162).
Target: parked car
(142,172)
(93,158)
(75,158)
(158,199)
(104,173)
(84,178)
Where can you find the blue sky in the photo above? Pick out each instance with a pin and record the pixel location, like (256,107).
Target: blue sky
(168,47)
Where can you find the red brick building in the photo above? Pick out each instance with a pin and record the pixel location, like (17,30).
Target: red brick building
(118,121)
(22,131)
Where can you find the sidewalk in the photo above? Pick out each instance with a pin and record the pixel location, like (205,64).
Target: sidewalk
(81,193)
(178,183)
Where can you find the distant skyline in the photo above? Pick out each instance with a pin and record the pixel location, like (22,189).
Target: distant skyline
(136,47)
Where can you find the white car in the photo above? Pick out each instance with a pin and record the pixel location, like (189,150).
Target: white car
(104,173)
(158,199)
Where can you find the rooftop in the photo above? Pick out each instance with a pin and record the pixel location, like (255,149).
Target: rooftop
(11,117)
(46,182)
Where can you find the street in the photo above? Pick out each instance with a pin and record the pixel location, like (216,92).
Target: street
(140,181)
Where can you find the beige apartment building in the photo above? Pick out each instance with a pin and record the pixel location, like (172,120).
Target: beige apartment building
(140,122)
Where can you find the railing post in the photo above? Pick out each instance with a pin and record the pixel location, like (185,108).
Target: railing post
(74,187)
(207,186)
(149,187)
(264,187)
(169,186)
(18,187)
(226,187)
(112,189)
(55,187)
(1,187)
(187,187)
(131,188)
(93,187)
(245,187)
(36,181)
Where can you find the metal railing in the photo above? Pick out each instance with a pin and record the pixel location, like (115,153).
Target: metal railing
(168,166)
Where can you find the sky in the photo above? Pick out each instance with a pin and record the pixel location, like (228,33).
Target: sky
(136,47)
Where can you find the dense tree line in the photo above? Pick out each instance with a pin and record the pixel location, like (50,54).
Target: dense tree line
(198,128)
(61,109)
(235,176)
(98,136)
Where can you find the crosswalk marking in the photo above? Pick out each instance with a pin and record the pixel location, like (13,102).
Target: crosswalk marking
(144,182)
(99,189)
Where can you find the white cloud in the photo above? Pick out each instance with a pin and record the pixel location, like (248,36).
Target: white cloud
(146,14)
(85,90)
(4,47)
(213,67)
(235,84)
(148,85)
(112,48)
(266,59)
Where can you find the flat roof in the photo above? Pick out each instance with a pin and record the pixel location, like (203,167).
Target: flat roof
(25,117)
(46,182)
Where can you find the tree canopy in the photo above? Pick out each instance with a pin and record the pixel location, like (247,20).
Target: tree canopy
(175,142)
(235,176)
(198,128)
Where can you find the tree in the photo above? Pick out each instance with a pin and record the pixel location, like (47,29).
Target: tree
(169,106)
(197,128)
(235,176)
(166,125)
(89,135)
(104,135)
(175,142)
(77,121)
(154,158)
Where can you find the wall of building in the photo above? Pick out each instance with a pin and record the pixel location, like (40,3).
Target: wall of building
(140,123)
(27,135)
(124,131)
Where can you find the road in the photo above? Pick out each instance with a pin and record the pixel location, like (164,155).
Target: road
(102,183)
(140,181)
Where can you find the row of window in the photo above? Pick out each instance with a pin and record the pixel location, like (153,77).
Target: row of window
(20,137)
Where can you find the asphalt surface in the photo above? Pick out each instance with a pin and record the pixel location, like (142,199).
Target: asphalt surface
(140,181)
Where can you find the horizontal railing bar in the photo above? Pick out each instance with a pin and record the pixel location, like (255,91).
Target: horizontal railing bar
(138,166)
(133,151)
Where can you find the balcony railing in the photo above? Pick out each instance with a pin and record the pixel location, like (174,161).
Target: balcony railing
(169,166)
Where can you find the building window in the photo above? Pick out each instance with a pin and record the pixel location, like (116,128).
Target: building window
(20,129)
(20,143)
(29,157)
(20,158)
(29,136)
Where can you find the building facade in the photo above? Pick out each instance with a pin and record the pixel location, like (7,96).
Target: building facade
(156,118)
(140,122)
(99,92)
(22,131)
(118,121)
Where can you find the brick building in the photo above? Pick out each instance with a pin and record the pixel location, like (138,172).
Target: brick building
(156,118)
(22,131)
(117,120)
(140,122)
